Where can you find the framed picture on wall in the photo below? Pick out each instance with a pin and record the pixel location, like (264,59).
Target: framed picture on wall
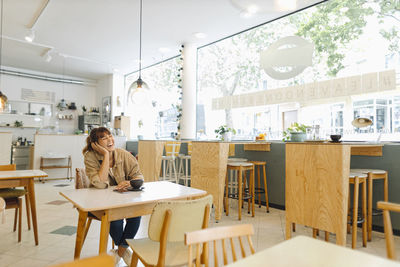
(106,110)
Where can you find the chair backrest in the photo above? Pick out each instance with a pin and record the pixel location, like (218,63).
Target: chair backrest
(386,207)
(197,238)
(9,167)
(81,180)
(172,148)
(98,261)
(184,216)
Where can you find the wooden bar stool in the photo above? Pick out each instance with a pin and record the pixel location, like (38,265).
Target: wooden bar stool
(258,190)
(374,174)
(169,167)
(240,167)
(356,179)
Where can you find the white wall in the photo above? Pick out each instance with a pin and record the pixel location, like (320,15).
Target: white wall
(80,94)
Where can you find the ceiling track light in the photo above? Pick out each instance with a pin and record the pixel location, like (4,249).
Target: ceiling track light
(30,36)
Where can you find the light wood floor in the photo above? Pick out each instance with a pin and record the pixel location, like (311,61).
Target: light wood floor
(56,248)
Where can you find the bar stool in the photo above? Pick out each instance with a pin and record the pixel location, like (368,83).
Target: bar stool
(258,190)
(184,163)
(355,178)
(240,167)
(168,161)
(232,179)
(374,174)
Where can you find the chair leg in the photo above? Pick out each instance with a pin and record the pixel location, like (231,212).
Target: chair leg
(326,236)
(293,227)
(348,212)
(355,213)
(240,184)
(20,218)
(28,214)
(314,232)
(370,193)
(258,184)
(134,260)
(226,194)
(364,213)
(15,219)
(266,189)
(253,195)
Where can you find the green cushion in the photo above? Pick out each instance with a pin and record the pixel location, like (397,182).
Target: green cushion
(11,192)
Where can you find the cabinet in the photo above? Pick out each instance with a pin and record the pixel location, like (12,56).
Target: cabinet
(123,123)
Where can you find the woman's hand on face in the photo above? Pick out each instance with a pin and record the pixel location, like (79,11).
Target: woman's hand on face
(99,149)
(122,186)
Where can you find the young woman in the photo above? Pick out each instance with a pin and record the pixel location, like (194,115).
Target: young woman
(107,166)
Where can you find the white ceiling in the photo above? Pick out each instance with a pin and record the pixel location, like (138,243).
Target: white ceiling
(101,35)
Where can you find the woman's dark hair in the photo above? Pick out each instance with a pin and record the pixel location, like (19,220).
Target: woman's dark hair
(94,136)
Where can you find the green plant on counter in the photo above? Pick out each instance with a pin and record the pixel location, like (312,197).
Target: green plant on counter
(18,123)
(223,129)
(294,128)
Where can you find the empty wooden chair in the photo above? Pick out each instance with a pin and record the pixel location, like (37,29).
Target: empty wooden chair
(199,239)
(13,200)
(169,222)
(386,207)
(98,261)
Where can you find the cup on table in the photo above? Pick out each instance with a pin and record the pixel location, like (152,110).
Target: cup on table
(136,183)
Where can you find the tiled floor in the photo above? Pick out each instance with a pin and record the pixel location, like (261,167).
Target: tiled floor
(55,248)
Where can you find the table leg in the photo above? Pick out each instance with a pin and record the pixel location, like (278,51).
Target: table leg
(104,231)
(370,192)
(32,202)
(80,232)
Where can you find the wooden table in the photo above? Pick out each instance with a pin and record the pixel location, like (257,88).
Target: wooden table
(109,205)
(308,252)
(24,178)
(317,184)
(208,167)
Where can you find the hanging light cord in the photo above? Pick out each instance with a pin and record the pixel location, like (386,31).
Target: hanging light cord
(1,37)
(140,40)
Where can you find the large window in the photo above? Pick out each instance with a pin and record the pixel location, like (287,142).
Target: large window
(153,112)
(351,37)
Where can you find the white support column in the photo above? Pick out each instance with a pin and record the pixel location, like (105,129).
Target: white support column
(188,120)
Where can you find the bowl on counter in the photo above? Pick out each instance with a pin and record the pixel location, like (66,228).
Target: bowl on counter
(335,138)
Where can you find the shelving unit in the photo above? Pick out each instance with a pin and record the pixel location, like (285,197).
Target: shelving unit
(68,166)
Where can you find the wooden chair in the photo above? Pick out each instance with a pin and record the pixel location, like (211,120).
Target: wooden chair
(98,261)
(200,237)
(169,222)
(82,181)
(12,197)
(386,207)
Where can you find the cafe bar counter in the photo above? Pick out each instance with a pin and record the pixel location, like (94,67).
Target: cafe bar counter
(276,170)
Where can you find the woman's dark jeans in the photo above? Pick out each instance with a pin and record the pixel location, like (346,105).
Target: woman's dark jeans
(119,234)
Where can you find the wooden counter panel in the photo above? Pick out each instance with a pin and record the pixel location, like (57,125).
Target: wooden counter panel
(372,151)
(150,157)
(209,161)
(257,147)
(317,185)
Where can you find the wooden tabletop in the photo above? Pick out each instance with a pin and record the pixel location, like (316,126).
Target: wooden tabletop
(92,199)
(305,251)
(22,174)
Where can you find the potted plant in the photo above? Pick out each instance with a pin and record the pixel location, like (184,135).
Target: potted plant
(225,133)
(295,133)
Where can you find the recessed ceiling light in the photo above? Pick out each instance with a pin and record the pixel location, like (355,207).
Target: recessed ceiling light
(164,50)
(30,36)
(200,35)
(252,9)
(245,15)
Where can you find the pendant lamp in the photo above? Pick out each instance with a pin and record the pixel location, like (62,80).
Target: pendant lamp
(3,97)
(139,83)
